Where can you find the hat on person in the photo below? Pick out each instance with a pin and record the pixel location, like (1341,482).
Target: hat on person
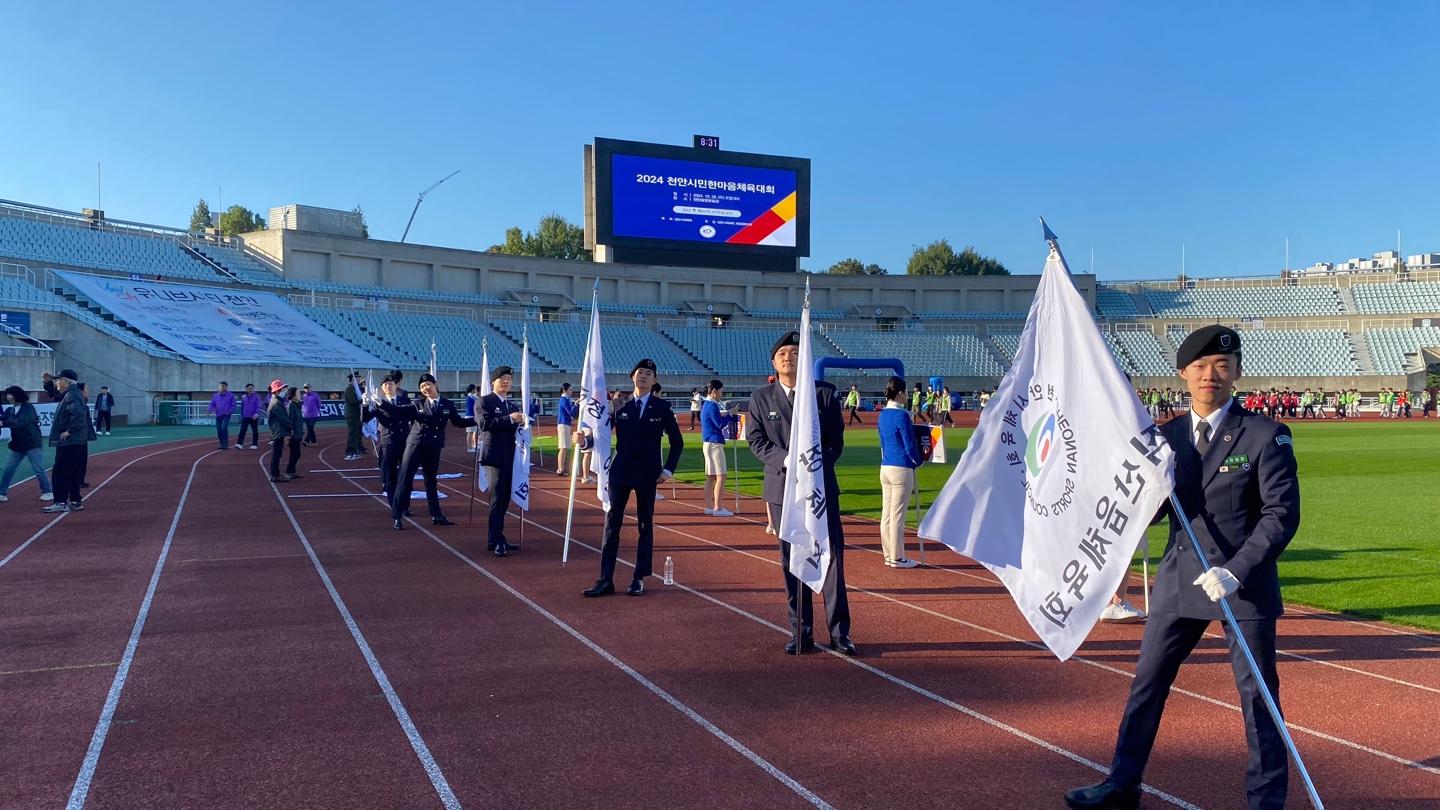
(645,363)
(277,386)
(68,374)
(500,371)
(424,378)
(389,378)
(791,338)
(1214,339)
(306,386)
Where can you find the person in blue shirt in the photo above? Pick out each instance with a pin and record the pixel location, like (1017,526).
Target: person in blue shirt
(714,419)
(472,434)
(899,456)
(564,423)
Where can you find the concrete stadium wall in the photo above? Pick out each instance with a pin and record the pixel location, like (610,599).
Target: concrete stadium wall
(322,257)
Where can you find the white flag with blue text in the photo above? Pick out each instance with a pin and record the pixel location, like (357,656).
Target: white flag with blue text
(595,418)
(520,472)
(803,522)
(1062,477)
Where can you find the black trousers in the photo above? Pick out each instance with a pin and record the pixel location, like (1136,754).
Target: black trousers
(502,483)
(424,458)
(644,518)
(251,424)
(277,446)
(390,456)
(854,417)
(310,430)
(69,472)
(102,420)
(354,444)
(1167,642)
(801,598)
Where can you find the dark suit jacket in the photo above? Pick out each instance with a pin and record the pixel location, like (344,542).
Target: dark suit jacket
(392,426)
(637,442)
(1244,516)
(492,413)
(428,425)
(768,432)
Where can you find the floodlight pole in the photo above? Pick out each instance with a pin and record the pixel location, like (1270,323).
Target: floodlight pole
(422,199)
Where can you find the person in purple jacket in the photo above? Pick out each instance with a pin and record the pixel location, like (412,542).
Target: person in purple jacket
(251,406)
(310,412)
(223,406)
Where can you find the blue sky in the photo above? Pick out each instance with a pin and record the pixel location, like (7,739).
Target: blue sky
(1133,128)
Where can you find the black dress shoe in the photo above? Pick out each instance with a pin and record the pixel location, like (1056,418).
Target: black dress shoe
(636,587)
(408,513)
(602,587)
(499,551)
(399,524)
(441,520)
(843,644)
(809,644)
(1104,796)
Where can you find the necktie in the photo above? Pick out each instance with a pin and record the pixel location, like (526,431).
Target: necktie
(1202,441)
(791,397)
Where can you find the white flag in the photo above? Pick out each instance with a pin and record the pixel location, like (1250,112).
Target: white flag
(1063,475)
(482,480)
(372,427)
(595,409)
(520,475)
(803,523)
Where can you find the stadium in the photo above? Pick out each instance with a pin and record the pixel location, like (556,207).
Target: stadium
(195,633)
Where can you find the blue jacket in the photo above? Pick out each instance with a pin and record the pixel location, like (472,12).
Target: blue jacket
(898,447)
(568,411)
(713,421)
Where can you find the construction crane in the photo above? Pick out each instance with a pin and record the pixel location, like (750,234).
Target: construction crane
(422,199)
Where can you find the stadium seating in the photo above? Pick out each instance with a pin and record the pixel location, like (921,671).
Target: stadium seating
(959,354)
(1291,352)
(411,293)
(1008,343)
(1115,303)
(630,309)
(736,351)
(239,265)
(794,314)
(1144,351)
(101,250)
(404,339)
(1406,297)
(1246,302)
(562,344)
(973,315)
(1388,347)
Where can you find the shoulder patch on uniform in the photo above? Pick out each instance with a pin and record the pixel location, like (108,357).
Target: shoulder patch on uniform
(1284,440)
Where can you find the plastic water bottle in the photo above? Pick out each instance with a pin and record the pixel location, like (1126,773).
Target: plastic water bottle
(669,571)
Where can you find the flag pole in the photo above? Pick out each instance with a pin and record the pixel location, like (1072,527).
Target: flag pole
(1237,639)
(918,538)
(575,461)
(736,454)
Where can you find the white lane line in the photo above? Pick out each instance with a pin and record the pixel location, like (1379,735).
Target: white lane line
(107,714)
(1218,636)
(438,495)
(417,743)
(740,748)
(1233,707)
(88,496)
(868,668)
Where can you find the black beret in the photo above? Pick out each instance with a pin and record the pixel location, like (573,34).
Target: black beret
(791,338)
(424,378)
(644,363)
(1206,341)
(395,378)
(501,371)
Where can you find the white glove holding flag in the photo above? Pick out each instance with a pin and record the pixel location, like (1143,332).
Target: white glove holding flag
(1218,583)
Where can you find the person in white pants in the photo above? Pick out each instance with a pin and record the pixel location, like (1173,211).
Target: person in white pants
(899,456)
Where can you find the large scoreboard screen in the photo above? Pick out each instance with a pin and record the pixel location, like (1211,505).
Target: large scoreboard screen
(655,197)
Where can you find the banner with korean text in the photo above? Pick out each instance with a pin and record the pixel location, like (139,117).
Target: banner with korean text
(225,327)
(1063,475)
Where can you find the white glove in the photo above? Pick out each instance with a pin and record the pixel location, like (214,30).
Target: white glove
(1218,583)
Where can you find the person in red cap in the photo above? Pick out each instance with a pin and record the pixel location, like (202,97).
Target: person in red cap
(282,429)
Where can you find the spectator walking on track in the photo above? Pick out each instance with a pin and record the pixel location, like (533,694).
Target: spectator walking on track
(852,404)
(251,405)
(310,411)
(24,424)
(697,405)
(70,435)
(283,430)
(222,405)
(104,406)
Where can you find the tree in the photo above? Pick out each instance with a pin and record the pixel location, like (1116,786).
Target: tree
(200,217)
(364,223)
(239,219)
(939,259)
(854,267)
(553,238)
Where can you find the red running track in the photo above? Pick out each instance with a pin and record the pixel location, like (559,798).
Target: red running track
(298,652)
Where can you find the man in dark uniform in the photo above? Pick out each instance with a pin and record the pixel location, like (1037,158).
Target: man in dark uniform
(354,444)
(422,448)
(392,429)
(768,431)
(1236,480)
(639,419)
(499,419)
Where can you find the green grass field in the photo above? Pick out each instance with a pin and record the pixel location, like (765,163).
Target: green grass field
(1369,540)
